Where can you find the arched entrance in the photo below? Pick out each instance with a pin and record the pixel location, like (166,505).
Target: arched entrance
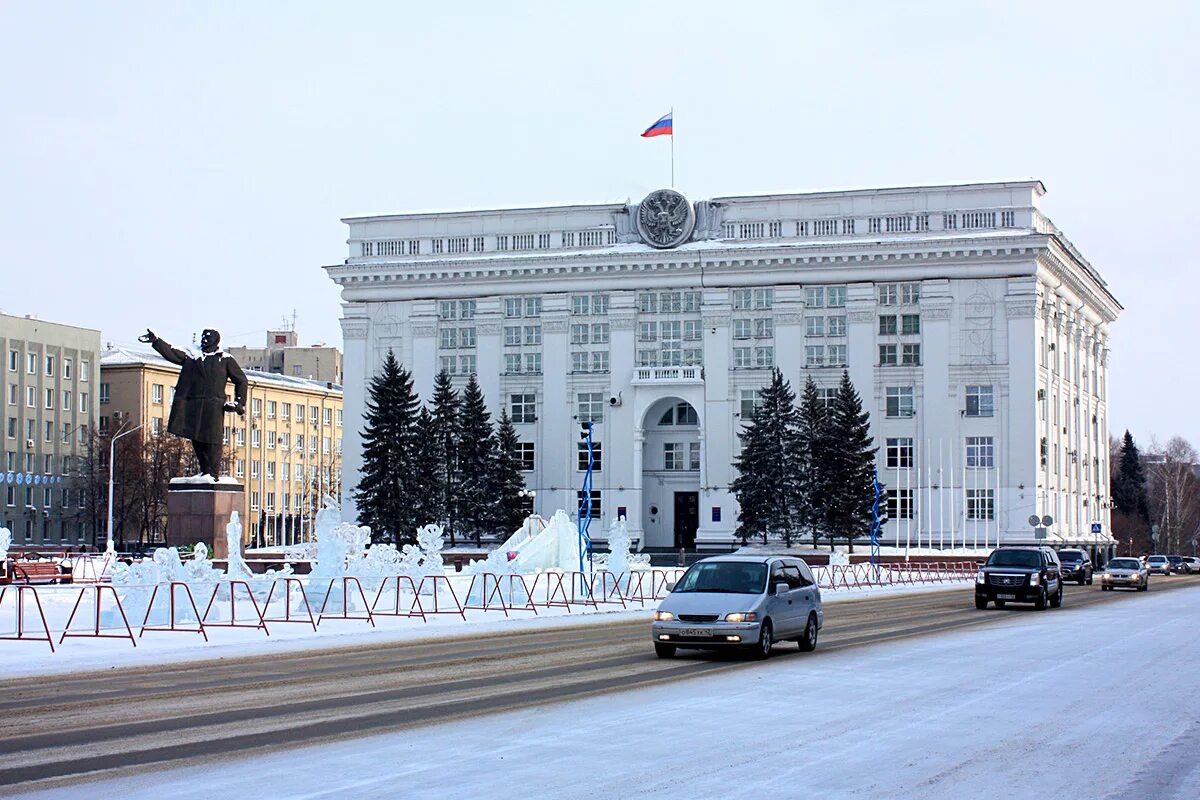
(672,455)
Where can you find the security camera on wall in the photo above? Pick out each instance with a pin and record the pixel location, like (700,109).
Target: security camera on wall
(615,401)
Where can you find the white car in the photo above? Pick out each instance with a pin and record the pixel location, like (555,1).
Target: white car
(1159,565)
(1126,573)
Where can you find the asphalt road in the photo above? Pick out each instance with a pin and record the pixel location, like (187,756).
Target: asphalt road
(67,728)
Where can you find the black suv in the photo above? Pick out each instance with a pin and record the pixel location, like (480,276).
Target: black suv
(1076,566)
(1020,575)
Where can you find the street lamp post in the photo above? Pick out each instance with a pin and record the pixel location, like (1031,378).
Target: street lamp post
(110,549)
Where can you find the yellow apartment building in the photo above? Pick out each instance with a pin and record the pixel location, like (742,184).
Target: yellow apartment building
(286,450)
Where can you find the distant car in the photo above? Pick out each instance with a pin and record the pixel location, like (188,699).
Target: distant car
(1176,564)
(1020,575)
(1159,565)
(1191,565)
(740,602)
(1076,566)
(1127,573)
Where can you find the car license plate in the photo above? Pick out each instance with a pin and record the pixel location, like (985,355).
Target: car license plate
(695,632)
(1006,597)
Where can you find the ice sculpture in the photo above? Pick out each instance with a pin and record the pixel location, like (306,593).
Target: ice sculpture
(555,546)
(5,543)
(618,546)
(237,568)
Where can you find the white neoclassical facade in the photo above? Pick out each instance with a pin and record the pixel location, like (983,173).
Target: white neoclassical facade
(975,331)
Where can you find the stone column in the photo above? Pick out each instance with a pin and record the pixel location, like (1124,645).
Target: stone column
(356,328)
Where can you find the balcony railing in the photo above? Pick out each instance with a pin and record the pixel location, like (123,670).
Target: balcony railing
(668,375)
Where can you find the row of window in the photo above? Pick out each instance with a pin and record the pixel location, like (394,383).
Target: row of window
(980,504)
(48,398)
(284,472)
(29,463)
(31,430)
(49,363)
(676,457)
(508,242)
(29,496)
(289,411)
(847,226)
(689,302)
(899,452)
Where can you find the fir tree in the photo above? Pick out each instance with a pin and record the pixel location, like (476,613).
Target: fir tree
(509,507)
(386,491)
(1131,503)
(814,452)
(476,464)
(851,469)
(767,484)
(443,439)
(1129,488)
(427,472)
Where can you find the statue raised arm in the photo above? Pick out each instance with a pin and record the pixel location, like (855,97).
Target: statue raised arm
(198,407)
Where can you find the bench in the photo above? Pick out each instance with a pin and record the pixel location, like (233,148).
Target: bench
(38,572)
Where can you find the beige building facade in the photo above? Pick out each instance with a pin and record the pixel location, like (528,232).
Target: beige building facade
(49,413)
(286,450)
(283,355)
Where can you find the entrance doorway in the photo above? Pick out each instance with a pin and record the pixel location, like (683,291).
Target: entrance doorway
(687,519)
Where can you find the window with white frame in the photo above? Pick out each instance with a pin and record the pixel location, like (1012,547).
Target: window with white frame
(980,401)
(764,328)
(750,401)
(764,298)
(899,401)
(673,456)
(590,406)
(526,458)
(764,357)
(910,324)
(512,335)
(647,302)
(888,355)
(814,326)
(814,296)
(741,299)
(533,334)
(836,325)
(887,325)
(600,333)
(836,296)
(742,328)
(581,456)
(900,503)
(889,294)
(743,358)
(523,408)
(981,504)
(597,508)
(836,355)
(981,452)
(910,293)
(532,363)
(899,453)
(910,355)
(580,334)
(814,355)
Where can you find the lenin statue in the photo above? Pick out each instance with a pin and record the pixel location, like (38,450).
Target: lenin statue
(198,408)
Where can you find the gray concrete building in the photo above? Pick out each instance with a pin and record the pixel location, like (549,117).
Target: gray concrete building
(283,355)
(51,372)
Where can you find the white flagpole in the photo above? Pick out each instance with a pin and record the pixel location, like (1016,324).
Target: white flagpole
(941,498)
(917,494)
(672,147)
(964,491)
(996,499)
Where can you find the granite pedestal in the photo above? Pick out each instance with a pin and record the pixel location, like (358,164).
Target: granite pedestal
(199,512)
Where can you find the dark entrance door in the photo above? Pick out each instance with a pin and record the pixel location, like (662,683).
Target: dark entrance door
(687,518)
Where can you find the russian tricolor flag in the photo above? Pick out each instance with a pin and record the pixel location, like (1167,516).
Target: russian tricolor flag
(660,128)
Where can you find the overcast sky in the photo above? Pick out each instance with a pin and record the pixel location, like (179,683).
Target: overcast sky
(183,165)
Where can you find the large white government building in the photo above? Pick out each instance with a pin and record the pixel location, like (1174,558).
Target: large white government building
(975,331)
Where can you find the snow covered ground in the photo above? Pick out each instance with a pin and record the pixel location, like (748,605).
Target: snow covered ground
(1086,702)
(22,658)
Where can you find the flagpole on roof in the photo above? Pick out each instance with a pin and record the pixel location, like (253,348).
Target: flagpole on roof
(672,147)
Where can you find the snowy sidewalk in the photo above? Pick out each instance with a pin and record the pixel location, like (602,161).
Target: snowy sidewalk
(18,659)
(1084,702)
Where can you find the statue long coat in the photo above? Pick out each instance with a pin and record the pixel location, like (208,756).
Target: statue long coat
(198,410)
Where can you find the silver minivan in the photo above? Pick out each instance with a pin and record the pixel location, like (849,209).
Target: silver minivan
(742,602)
